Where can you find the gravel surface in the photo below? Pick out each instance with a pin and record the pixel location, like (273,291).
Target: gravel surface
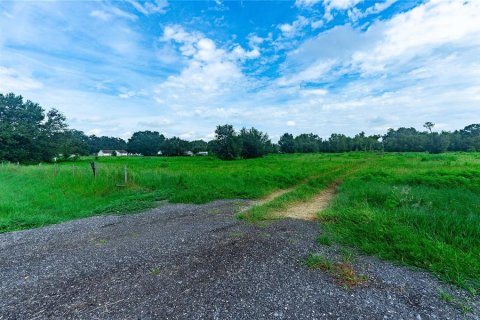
(198,262)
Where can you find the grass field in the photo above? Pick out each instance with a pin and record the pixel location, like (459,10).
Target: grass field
(32,196)
(416,209)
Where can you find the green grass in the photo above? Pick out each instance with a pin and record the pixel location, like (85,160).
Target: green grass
(34,196)
(458,303)
(415,209)
(418,210)
(342,271)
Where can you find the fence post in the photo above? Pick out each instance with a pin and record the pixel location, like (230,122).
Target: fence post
(94,169)
(126,174)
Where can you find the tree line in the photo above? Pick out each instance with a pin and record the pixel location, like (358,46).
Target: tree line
(30,134)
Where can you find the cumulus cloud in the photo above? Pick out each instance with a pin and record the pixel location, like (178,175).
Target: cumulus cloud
(424,60)
(418,65)
(211,73)
(291,30)
(435,25)
(332,5)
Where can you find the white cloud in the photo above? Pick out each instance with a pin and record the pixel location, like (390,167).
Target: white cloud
(110,12)
(379,7)
(420,65)
(317,24)
(422,30)
(338,5)
(210,76)
(306,3)
(150,7)
(315,72)
(292,30)
(12,80)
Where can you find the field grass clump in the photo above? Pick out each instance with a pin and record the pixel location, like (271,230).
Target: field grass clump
(342,271)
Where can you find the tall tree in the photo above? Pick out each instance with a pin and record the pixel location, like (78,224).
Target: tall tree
(27,134)
(307,142)
(174,147)
(198,146)
(227,145)
(96,144)
(429,125)
(254,143)
(438,142)
(287,143)
(147,143)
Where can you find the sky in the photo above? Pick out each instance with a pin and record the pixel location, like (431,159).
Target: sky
(184,67)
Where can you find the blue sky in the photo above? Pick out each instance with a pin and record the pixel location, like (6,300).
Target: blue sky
(183,67)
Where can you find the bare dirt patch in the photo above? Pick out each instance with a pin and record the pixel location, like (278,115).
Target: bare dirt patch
(274,195)
(308,210)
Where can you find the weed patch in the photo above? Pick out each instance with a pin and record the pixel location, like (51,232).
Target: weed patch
(343,271)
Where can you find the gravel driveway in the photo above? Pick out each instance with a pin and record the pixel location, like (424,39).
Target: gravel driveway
(199,262)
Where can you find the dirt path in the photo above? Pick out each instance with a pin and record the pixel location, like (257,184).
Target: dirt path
(198,262)
(274,195)
(308,210)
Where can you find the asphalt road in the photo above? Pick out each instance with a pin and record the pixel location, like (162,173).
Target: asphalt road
(199,262)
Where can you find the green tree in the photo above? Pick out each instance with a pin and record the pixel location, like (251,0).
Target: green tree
(405,139)
(287,143)
(438,143)
(147,143)
(96,144)
(73,142)
(429,125)
(198,146)
(227,145)
(307,143)
(175,147)
(254,143)
(27,134)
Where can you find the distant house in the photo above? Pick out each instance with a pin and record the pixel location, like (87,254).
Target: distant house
(188,153)
(109,153)
(202,153)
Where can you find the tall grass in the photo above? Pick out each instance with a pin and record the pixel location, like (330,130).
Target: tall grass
(420,210)
(33,196)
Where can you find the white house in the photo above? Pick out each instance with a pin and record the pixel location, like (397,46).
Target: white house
(202,153)
(109,153)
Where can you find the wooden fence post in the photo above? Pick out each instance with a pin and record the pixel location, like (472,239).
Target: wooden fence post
(94,169)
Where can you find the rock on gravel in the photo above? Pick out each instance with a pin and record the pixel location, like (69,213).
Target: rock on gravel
(198,262)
